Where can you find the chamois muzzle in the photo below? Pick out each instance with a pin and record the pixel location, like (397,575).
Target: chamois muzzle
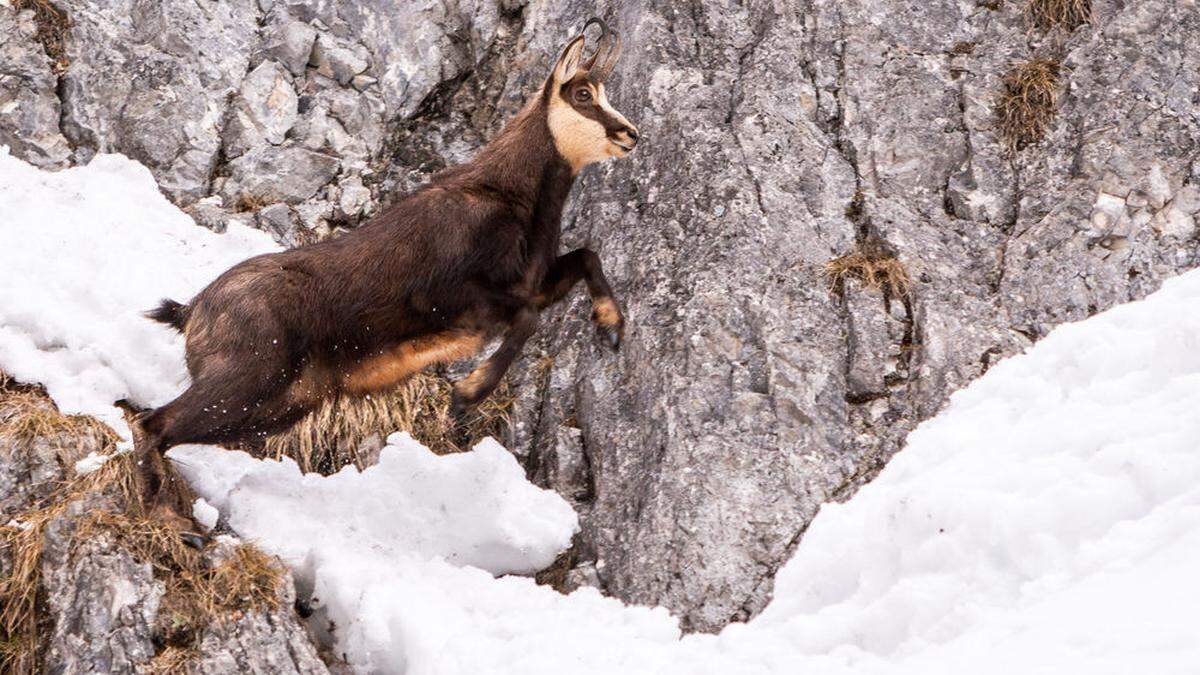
(625,139)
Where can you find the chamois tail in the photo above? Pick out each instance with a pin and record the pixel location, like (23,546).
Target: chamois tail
(171,313)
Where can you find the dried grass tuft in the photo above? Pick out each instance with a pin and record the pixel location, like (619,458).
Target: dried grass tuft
(196,592)
(52,28)
(1026,106)
(1065,14)
(249,202)
(334,435)
(876,268)
(172,661)
(27,413)
(19,634)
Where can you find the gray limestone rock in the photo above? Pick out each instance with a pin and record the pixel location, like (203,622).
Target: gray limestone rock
(777,137)
(29,108)
(264,111)
(270,174)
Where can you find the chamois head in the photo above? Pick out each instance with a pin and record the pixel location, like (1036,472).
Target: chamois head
(584,125)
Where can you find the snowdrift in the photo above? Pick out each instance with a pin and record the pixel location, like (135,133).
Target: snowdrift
(83,253)
(1048,520)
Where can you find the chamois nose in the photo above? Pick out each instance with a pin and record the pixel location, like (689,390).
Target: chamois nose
(633,135)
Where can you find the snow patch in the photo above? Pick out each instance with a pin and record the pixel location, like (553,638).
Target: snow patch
(401,556)
(86,251)
(90,463)
(205,514)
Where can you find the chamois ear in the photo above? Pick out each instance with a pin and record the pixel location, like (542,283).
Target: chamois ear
(568,63)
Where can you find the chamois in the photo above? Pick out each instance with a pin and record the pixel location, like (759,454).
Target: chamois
(470,256)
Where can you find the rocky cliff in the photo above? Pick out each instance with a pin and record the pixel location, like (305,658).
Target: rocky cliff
(840,213)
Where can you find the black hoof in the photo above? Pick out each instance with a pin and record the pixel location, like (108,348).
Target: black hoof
(611,336)
(460,423)
(194,540)
(459,412)
(303,608)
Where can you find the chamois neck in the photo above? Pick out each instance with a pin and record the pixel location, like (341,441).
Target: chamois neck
(521,157)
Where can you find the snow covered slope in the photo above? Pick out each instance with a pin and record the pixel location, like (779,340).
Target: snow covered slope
(83,252)
(1047,521)
(401,556)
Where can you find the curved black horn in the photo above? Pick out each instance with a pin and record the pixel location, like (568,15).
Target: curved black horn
(607,51)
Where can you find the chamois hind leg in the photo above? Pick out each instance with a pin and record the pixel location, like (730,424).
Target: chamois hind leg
(475,387)
(229,405)
(566,271)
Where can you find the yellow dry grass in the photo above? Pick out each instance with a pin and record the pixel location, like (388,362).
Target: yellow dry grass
(172,661)
(873,267)
(331,436)
(52,27)
(196,592)
(250,203)
(1065,14)
(1026,105)
(26,413)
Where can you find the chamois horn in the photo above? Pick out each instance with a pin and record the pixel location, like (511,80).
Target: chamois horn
(607,52)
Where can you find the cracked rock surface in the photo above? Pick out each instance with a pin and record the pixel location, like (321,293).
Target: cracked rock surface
(98,602)
(776,137)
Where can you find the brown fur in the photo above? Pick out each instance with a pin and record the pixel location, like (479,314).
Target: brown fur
(397,364)
(471,256)
(605,312)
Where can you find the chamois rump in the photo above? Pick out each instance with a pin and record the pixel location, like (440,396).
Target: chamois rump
(468,257)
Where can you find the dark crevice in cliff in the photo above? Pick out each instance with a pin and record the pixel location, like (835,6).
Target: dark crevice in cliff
(220,165)
(1008,228)
(760,30)
(841,143)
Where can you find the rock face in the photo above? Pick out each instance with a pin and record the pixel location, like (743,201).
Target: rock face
(777,137)
(748,393)
(100,602)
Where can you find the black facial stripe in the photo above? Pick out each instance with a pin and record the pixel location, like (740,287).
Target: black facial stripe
(592,110)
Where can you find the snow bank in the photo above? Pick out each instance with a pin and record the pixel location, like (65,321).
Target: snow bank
(1047,521)
(473,508)
(401,555)
(83,252)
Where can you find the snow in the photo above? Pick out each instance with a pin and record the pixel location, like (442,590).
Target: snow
(94,460)
(1047,521)
(206,515)
(474,508)
(85,251)
(401,557)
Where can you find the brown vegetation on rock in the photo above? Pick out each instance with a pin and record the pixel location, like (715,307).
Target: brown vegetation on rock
(199,587)
(1066,14)
(1027,103)
(52,28)
(873,266)
(338,433)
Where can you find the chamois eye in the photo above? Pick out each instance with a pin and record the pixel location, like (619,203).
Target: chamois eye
(583,95)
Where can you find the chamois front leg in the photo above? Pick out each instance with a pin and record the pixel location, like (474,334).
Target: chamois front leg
(584,264)
(475,387)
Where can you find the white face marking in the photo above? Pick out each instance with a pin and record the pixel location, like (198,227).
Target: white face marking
(602,99)
(582,140)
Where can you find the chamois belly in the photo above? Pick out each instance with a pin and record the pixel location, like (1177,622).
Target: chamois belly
(396,364)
